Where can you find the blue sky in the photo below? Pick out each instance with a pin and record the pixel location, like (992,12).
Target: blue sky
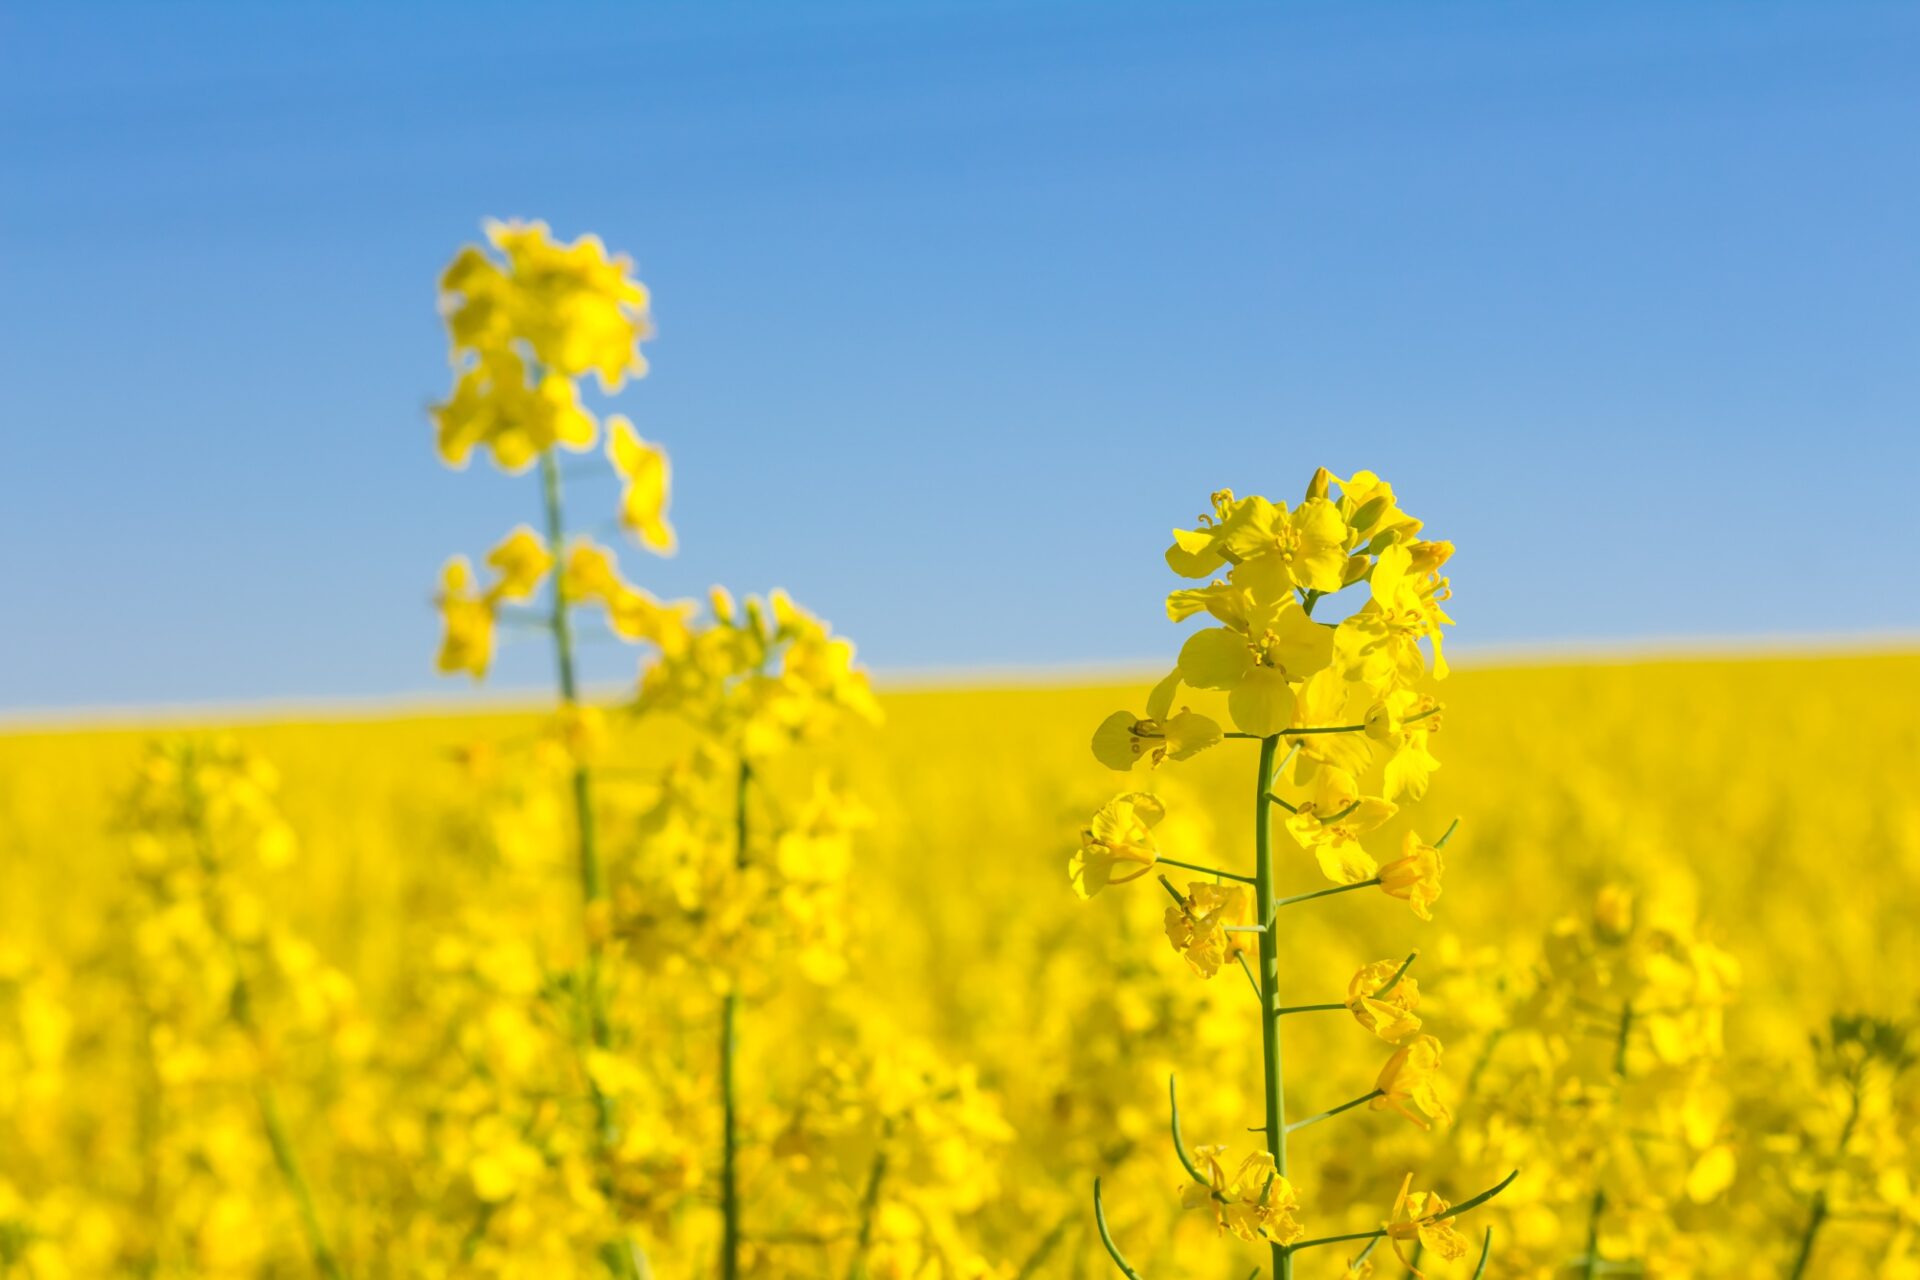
(961,307)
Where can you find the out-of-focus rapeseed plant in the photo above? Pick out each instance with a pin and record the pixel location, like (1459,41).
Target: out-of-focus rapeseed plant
(1845,1156)
(1346,702)
(731,886)
(526,327)
(1601,1061)
(748,846)
(230,1001)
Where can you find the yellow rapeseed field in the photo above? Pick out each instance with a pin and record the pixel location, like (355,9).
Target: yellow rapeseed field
(1768,800)
(1309,958)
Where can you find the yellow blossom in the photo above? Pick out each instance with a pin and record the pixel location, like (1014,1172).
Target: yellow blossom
(467,639)
(1409,1083)
(1197,926)
(1256,1204)
(1391,1015)
(1123,740)
(522,562)
(1417,1219)
(643,503)
(1120,837)
(1414,877)
(1330,826)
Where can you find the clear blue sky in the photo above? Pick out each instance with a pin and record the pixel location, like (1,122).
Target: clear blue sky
(961,307)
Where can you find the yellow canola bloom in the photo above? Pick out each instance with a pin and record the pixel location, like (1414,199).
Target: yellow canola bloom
(592,576)
(502,404)
(1257,669)
(575,308)
(1412,1222)
(1255,1204)
(1197,926)
(524,328)
(1117,846)
(1123,739)
(1392,1016)
(1409,1084)
(521,562)
(1414,877)
(467,617)
(1330,826)
(643,503)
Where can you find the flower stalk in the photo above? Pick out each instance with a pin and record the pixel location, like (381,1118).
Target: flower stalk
(1272,1061)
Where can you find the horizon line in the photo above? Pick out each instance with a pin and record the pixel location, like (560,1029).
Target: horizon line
(939,677)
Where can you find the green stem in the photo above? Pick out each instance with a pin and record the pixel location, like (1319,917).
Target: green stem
(729,1046)
(1323,893)
(1398,974)
(1308,1008)
(592,880)
(1330,728)
(1594,1209)
(288,1162)
(1464,1206)
(623,1256)
(1815,1220)
(1205,871)
(1106,1236)
(1247,969)
(1334,1111)
(1818,1215)
(1271,1056)
(870,1207)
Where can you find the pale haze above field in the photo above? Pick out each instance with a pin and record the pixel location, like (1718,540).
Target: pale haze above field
(961,308)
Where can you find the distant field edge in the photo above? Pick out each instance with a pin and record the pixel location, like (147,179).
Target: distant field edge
(934,679)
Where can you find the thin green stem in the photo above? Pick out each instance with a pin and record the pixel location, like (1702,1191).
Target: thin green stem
(1815,1220)
(870,1206)
(1180,1143)
(1398,974)
(1309,1008)
(729,1045)
(1325,893)
(1247,969)
(1595,1208)
(1044,1250)
(1486,1249)
(1206,871)
(240,1007)
(1334,1111)
(1272,1061)
(623,1256)
(1620,1043)
(1820,1211)
(1106,1236)
(1598,1205)
(1299,732)
(592,880)
(1465,1206)
(288,1162)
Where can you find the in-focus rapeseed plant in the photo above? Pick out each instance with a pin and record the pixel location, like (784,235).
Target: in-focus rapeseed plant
(1341,697)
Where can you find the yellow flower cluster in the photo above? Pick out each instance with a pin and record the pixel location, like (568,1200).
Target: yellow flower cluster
(525,328)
